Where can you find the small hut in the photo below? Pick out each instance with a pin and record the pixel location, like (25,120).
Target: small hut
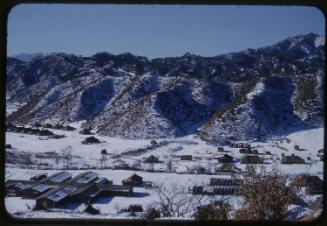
(134,180)
(220,149)
(225,159)
(154,142)
(314,185)
(91,140)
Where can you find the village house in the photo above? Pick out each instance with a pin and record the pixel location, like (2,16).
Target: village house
(58,177)
(225,159)
(186,157)
(251,159)
(151,159)
(245,151)
(134,180)
(154,142)
(91,140)
(293,159)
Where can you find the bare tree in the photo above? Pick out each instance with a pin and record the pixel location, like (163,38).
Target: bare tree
(103,160)
(176,201)
(57,159)
(266,194)
(67,156)
(170,165)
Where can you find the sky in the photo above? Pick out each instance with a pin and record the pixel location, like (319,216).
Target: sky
(154,30)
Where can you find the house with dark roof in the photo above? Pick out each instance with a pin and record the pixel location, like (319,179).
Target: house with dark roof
(39,177)
(292,159)
(225,159)
(251,159)
(91,140)
(151,159)
(134,180)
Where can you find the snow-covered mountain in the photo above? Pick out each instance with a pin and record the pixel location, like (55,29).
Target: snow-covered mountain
(26,57)
(250,94)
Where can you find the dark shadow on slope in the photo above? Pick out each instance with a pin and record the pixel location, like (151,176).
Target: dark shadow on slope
(95,98)
(179,106)
(103,200)
(274,109)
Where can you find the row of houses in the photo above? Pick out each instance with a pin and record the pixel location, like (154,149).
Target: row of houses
(60,189)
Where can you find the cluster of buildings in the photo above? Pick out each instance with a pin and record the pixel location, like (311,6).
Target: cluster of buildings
(61,189)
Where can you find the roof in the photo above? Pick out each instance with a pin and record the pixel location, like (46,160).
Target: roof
(87,177)
(292,159)
(82,189)
(151,159)
(135,177)
(40,187)
(60,177)
(62,193)
(21,186)
(224,182)
(102,180)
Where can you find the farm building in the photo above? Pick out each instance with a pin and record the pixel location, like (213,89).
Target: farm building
(59,177)
(186,157)
(251,159)
(134,180)
(225,159)
(225,190)
(35,191)
(103,180)
(223,186)
(116,190)
(223,182)
(151,159)
(84,178)
(56,197)
(293,159)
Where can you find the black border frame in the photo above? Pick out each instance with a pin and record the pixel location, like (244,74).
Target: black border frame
(7,219)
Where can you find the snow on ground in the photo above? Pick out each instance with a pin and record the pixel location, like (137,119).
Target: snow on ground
(125,151)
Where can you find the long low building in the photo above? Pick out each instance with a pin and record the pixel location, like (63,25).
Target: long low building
(60,189)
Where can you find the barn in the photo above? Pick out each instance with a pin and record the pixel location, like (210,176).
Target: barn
(225,159)
(55,198)
(251,159)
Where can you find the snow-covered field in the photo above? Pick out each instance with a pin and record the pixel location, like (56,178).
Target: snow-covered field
(124,152)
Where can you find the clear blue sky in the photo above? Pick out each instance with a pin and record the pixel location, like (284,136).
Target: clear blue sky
(154,31)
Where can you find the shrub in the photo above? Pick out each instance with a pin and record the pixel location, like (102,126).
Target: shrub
(217,210)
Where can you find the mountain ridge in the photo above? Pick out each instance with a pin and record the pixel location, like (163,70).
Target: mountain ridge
(133,97)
